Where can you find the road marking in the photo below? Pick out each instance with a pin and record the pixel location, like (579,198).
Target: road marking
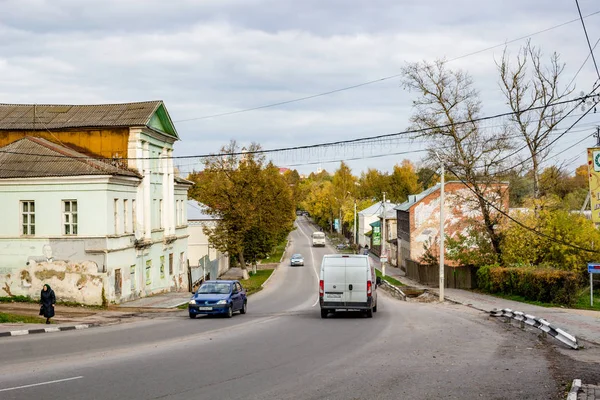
(41,383)
(312,257)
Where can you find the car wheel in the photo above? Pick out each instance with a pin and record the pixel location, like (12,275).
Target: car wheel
(375,308)
(324,313)
(244,308)
(230,311)
(370,313)
(192,316)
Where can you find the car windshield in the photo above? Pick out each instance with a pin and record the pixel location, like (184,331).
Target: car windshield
(214,288)
(297,256)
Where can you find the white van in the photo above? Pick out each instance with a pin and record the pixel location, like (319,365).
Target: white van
(318,239)
(347,282)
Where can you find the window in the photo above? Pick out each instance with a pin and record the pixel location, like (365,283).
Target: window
(170,263)
(70,217)
(154,213)
(132,277)
(160,213)
(125,216)
(27,218)
(116,211)
(133,216)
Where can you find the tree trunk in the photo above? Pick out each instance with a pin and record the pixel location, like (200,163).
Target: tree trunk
(245,275)
(536,177)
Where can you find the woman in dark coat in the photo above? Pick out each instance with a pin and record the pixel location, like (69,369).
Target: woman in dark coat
(47,300)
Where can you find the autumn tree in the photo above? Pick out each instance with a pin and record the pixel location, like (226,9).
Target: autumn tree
(275,217)
(344,189)
(523,247)
(252,204)
(372,184)
(528,83)
(403,181)
(446,113)
(320,203)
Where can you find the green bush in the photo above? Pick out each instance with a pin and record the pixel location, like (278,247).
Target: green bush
(545,285)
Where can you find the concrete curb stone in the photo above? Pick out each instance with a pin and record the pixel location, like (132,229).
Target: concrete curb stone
(24,332)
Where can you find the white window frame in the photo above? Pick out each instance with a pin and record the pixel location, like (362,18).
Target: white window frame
(27,228)
(68,218)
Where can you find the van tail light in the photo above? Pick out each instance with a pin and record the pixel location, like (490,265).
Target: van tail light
(321,288)
(369,289)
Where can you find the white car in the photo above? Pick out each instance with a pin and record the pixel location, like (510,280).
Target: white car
(347,282)
(296,259)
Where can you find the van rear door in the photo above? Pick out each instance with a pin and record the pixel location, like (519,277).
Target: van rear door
(357,274)
(334,279)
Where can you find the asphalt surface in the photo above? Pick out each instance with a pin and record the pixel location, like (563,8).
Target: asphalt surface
(282,349)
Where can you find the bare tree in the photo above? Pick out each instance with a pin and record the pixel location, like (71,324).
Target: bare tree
(526,84)
(446,114)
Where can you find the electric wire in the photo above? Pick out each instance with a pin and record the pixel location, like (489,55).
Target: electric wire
(376,80)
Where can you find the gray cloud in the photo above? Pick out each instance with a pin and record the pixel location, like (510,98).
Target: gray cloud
(213,56)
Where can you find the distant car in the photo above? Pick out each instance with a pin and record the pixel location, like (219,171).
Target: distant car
(296,259)
(218,297)
(299,213)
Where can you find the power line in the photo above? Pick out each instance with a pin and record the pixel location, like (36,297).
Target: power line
(377,80)
(587,38)
(327,144)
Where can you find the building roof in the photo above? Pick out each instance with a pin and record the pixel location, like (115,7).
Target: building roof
(33,157)
(371,211)
(54,116)
(198,212)
(415,198)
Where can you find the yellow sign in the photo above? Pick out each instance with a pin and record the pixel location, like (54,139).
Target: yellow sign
(594,180)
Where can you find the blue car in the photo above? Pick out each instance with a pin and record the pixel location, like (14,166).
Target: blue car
(218,297)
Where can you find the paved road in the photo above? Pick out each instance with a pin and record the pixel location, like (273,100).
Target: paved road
(282,349)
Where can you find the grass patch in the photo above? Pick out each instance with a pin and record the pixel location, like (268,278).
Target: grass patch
(276,254)
(17,299)
(389,279)
(254,284)
(16,318)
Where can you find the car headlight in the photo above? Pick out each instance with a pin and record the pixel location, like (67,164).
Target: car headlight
(192,301)
(222,302)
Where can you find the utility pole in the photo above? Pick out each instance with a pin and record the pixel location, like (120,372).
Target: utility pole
(382,233)
(442,217)
(354,230)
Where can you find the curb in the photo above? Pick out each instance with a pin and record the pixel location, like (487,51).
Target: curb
(574,389)
(48,330)
(287,244)
(269,278)
(394,288)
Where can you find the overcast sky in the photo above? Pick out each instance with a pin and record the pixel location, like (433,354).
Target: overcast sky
(206,57)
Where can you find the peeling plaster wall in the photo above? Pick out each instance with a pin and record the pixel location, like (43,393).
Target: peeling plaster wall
(72,281)
(461,208)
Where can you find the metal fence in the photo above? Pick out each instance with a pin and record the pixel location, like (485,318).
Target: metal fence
(454,277)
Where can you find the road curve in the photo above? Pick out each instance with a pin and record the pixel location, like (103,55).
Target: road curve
(282,349)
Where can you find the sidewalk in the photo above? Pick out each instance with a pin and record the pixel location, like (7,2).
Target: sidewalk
(583,324)
(71,318)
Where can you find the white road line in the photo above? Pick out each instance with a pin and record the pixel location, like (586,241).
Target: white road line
(41,383)
(312,257)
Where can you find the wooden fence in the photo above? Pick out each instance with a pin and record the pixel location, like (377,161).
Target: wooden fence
(454,277)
